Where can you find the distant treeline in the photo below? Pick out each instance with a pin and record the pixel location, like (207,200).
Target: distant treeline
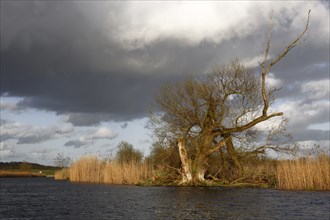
(18,165)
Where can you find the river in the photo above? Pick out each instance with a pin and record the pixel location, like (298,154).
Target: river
(45,198)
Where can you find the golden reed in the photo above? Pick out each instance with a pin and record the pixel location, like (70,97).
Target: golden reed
(87,169)
(9,173)
(300,174)
(304,173)
(63,174)
(126,173)
(91,169)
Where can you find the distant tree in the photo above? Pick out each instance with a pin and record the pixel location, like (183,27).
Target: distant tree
(25,167)
(164,155)
(218,114)
(61,161)
(126,153)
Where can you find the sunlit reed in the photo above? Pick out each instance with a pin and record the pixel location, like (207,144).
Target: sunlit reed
(91,169)
(87,169)
(126,173)
(304,173)
(63,174)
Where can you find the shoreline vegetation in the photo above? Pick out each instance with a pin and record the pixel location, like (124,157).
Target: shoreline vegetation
(308,173)
(10,173)
(25,169)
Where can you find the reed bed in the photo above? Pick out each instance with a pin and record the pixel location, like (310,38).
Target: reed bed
(311,173)
(126,173)
(91,169)
(260,171)
(260,167)
(8,173)
(304,174)
(87,169)
(63,174)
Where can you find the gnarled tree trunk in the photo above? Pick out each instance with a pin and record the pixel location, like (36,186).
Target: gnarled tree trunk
(233,155)
(186,170)
(192,171)
(199,169)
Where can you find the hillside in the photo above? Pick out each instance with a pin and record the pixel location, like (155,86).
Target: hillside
(16,166)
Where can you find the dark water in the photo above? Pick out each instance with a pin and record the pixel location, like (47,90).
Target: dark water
(45,198)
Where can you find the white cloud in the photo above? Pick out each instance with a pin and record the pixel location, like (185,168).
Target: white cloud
(100,133)
(40,153)
(194,22)
(5,151)
(8,106)
(320,126)
(308,112)
(270,124)
(65,128)
(11,104)
(254,61)
(104,132)
(190,22)
(311,108)
(272,81)
(28,134)
(317,89)
(8,152)
(301,114)
(91,136)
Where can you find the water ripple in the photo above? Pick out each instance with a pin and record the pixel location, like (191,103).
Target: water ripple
(45,198)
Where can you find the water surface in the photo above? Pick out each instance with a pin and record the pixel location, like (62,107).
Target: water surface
(45,198)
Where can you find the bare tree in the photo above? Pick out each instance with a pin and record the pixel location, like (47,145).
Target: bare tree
(213,113)
(61,161)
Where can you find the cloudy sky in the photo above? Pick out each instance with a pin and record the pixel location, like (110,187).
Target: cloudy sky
(80,76)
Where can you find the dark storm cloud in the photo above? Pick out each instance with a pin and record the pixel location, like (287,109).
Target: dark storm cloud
(64,57)
(61,64)
(91,80)
(75,144)
(308,134)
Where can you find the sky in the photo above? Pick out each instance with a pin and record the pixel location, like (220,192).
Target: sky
(78,77)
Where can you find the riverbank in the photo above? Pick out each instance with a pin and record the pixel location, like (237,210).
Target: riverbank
(7,174)
(26,169)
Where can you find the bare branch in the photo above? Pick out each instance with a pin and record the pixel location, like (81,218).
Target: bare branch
(249,125)
(217,147)
(265,70)
(291,45)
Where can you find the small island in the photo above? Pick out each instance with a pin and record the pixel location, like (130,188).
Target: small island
(162,168)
